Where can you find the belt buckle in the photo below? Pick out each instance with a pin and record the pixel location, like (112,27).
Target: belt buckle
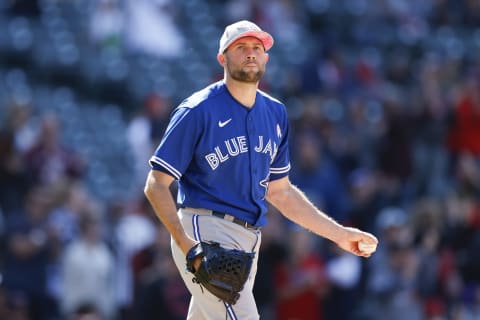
(229,217)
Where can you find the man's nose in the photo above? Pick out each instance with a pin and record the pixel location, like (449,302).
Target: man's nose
(250,53)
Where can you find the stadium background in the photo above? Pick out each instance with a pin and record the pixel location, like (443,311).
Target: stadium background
(384,102)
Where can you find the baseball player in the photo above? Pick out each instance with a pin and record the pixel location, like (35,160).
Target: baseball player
(227,145)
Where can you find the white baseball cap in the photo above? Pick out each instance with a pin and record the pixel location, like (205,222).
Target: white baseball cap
(242,29)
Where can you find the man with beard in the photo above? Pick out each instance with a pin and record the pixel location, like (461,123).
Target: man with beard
(227,145)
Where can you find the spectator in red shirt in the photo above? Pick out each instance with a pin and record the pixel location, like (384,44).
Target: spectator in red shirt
(464,133)
(300,280)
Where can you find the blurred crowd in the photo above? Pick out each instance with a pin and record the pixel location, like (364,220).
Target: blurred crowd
(384,105)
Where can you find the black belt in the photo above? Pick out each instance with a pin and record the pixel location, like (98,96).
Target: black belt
(236,220)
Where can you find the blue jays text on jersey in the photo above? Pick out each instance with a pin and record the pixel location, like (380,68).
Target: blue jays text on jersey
(235,146)
(223,153)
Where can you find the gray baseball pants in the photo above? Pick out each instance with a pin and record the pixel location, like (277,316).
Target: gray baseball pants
(201,226)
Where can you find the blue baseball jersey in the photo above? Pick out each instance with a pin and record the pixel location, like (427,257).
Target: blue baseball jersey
(224,154)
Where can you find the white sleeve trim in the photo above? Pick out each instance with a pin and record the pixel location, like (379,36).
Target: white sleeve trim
(280,170)
(174,172)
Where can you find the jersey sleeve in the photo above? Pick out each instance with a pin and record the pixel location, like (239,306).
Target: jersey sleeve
(175,151)
(280,166)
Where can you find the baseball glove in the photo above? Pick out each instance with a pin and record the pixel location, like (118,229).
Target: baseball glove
(222,271)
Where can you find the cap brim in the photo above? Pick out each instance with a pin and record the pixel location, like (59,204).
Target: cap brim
(264,37)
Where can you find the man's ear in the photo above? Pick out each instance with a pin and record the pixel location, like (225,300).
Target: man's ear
(221,59)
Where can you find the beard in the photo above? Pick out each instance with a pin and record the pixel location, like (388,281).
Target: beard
(245,76)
